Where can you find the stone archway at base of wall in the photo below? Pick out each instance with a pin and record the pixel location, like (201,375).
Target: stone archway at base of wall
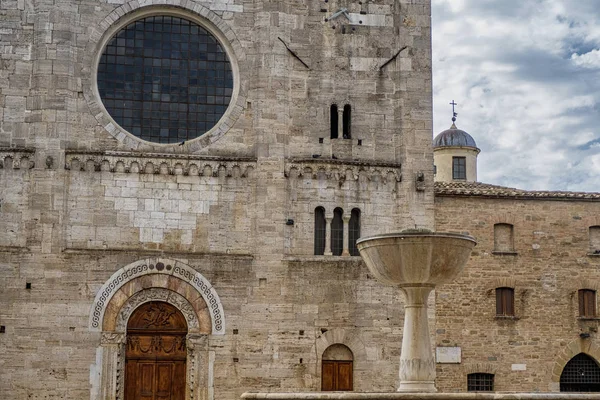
(146,281)
(586,346)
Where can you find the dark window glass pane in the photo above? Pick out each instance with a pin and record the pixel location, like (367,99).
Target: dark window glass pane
(459,168)
(354,232)
(333,120)
(147,62)
(480,382)
(320,229)
(581,374)
(347,119)
(337,232)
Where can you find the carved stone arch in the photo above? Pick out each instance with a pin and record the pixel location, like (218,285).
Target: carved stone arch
(484,368)
(133,10)
(502,282)
(504,218)
(158,294)
(349,339)
(586,346)
(155,269)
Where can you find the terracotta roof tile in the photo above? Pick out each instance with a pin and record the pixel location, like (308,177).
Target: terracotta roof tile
(478,189)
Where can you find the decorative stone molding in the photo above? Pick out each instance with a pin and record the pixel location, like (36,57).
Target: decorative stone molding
(163,164)
(112,338)
(137,9)
(342,171)
(16,158)
(158,266)
(157,294)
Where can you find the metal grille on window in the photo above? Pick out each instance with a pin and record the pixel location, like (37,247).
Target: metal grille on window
(320,229)
(587,303)
(354,232)
(165,79)
(459,168)
(505,302)
(581,374)
(480,382)
(337,232)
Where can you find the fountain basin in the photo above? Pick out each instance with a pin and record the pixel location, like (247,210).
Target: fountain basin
(413,258)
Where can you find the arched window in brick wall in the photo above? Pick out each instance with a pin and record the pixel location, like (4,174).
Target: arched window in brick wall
(320,231)
(480,382)
(337,369)
(505,302)
(587,303)
(503,238)
(595,239)
(337,232)
(333,121)
(581,374)
(354,231)
(347,119)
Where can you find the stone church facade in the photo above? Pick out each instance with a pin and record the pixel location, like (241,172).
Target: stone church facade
(218,184)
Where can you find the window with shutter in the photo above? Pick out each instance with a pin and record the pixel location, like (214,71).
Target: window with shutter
(587,303)
(505,302)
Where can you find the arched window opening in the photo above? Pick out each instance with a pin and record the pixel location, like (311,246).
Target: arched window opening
(503,238)
(480,382)
(581,374)
(337,369)
(587,303)
(354,231)
(337,232)
(320,229)
(347,116)
(505,302)
(595,239)
(334,121)
(156,352)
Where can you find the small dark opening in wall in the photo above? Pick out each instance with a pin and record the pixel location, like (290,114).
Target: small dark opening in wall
(323,330)
(301,333)
(360,142)
(2,329)
(235,331)
(300,361)
(235,359)
(320,140)
(28,285)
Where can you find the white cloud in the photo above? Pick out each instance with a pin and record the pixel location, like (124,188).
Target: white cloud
(524,75)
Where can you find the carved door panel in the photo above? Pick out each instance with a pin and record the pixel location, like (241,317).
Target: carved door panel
(156,354)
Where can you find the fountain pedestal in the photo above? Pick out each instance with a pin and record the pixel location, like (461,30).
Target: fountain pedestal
(416,262)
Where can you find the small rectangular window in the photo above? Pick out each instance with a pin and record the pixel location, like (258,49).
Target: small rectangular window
(505,302)
(587,303)
(459,168)
(480,382)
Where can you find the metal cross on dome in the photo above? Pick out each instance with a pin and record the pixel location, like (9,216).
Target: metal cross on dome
(454,114)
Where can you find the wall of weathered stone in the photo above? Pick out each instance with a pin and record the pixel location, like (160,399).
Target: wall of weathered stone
(81,199)
(551,261)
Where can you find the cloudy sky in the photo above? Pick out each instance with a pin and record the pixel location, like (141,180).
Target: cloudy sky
(526,77)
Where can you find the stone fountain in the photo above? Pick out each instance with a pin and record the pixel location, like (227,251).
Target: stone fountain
(416,261)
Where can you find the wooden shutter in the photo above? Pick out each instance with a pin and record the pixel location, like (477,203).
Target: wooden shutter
(328,376)
(587,303)
(505,301)
(344,375)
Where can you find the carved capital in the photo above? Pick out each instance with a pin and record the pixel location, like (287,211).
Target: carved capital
(112,338)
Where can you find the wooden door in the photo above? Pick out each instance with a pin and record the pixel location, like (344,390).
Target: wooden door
(336,375)
(156,353)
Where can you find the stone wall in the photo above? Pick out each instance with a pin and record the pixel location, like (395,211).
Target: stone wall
(81,198)
(550,262)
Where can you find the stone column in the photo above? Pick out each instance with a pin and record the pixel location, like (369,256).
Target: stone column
(417,365)
(346,222)
(328,221)
(112,373)
(197,367)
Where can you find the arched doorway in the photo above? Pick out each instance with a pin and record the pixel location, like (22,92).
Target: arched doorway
(581,374)
(337,368)
(155,359)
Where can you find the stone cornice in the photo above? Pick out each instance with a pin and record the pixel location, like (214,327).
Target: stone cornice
(17,157)
(343,170)
(156,163)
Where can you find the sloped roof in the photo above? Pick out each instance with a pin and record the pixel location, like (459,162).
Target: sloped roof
(478,189)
